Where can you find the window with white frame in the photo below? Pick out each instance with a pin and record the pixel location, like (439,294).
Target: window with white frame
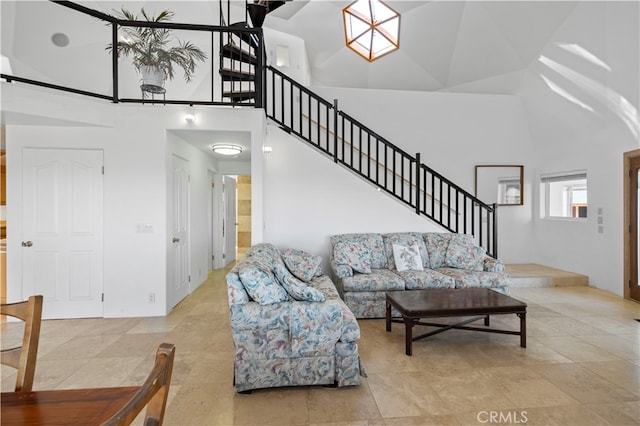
(564,195)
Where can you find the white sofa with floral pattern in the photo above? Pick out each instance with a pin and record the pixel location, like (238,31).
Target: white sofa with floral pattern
(365,266)
(290,327)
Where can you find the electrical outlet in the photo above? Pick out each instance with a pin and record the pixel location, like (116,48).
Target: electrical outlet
(152,298)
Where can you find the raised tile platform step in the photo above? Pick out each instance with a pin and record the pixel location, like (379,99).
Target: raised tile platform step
(534,275)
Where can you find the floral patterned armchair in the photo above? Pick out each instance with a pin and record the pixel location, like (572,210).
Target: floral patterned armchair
(288,332)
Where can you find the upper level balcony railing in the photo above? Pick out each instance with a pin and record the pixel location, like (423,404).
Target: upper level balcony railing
(77,60)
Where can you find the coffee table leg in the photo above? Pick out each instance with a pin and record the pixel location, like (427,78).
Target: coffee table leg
(486,321)
(388,316)
(408,335)
(523,329)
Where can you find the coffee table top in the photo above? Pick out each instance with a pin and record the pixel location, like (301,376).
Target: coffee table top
(452,302)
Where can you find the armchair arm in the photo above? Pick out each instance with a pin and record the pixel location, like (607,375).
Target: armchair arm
(341,271)
(493,265)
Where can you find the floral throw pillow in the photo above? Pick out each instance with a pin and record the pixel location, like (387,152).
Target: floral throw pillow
(354,255)
(296,288)
(302,265)
(463,253)
(407,258)
(260,283)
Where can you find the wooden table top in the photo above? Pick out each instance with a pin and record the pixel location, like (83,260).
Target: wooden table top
(453,302)
(63,407)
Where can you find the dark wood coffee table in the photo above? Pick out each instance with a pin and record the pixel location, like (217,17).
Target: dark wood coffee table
(413,305)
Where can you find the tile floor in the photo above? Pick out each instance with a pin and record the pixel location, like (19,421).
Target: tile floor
(581,367)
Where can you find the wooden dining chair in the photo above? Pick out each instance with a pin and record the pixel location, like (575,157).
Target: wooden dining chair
(152,394)
(24,357)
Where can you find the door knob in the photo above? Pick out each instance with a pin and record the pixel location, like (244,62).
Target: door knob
(176,240)
(27,243)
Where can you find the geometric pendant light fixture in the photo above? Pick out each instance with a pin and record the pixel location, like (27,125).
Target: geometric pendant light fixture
(371,28)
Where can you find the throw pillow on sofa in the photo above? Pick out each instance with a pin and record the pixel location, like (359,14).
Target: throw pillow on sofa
(407,258)
(463,253)
(407,239)
(302,265)
(260,283)
(437,244)
(354,255)
(296,288)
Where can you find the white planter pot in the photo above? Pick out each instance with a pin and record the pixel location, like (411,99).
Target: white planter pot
(152,76)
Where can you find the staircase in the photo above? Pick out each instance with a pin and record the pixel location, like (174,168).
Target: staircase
(344,139)
(353,145)
(241,52)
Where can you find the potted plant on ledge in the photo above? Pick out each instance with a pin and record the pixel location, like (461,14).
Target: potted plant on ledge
(155,52)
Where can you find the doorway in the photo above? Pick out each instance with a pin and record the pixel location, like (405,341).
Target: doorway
(244,214)
(230,220)
(180,276)
(631,224)
(62,230)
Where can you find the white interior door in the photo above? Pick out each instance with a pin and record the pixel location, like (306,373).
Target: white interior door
(179,285)
(230,225)
(212,218)
(62,230)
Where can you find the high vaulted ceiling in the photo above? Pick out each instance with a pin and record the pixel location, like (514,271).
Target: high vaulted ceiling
(473,46)
(554,54)
(477,46)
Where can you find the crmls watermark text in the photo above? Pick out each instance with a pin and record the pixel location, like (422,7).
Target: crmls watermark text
(497,417)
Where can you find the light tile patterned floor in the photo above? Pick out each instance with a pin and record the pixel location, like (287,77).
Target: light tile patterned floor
(581,367)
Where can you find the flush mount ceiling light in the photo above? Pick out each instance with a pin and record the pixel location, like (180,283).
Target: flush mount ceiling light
(226,149)
(371,28)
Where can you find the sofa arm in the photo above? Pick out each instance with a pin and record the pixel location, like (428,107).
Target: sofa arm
(315,327)
(492,264)
(341,271)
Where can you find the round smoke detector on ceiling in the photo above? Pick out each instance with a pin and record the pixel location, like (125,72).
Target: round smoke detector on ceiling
(60,39)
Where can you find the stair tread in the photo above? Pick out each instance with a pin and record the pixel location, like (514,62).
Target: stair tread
(239,92)
(234,52)
(534,275)
(237,75)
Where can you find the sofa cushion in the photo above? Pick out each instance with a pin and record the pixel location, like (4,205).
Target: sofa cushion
(466,278)
(428,278)
(437,244)
(463,253)
(259,281)
(407,258)
(371,243)
(301,264)
(377,280)
(296,288)
(407,239)
(352,254)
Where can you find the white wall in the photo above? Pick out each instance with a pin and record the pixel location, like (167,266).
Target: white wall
(453,133)
(298,68)
(570,137)
(137,142)
(131,196)
(308,198)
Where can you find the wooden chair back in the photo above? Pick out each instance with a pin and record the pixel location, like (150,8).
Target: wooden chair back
(152,394)
(24,357)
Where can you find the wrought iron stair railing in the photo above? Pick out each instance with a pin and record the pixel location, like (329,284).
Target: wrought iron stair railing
(348,142)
